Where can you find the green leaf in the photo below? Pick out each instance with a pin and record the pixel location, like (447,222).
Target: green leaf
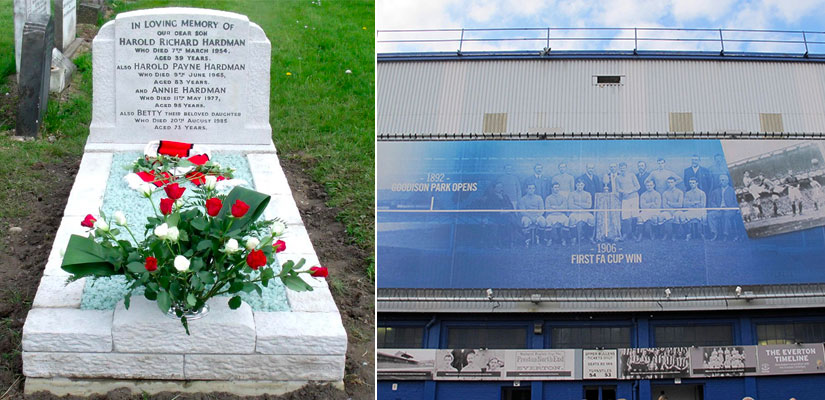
(200,224)
(196,265)
(176,290)
(287,267)
(203,245)
(236,287)
(259,290)
(173,219)
(183,236)
(85,257)
(150,294)
(164,302)
(136,267)
(235,302)
(190,300)
(257,204)
(295,283)
(266,275)
(300,264)
(248,287)
(127,299)
(206,277)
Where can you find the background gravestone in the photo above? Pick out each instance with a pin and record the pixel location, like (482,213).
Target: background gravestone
(34,75)
(65,23)
(22,9)
(88,12)
(182,74)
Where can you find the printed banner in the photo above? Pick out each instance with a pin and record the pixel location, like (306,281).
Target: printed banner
(791,359)
(470,364)
(722,361)
(541,364)
(599,364)
(599,213)
(654,363)
(406,364)
(480,364)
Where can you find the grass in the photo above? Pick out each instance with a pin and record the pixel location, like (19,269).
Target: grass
(320,115)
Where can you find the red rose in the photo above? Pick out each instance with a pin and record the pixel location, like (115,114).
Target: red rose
(151,264)
(174,191)
(166,206)
(239,209)
(279,246)
(213,206)
(256,259)
(320,272)
(89,221)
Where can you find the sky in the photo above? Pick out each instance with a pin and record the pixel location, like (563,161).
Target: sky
(795,15)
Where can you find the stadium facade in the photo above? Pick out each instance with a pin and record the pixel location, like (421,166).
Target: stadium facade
(600,225)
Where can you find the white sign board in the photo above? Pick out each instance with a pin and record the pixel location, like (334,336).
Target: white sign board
(599,364)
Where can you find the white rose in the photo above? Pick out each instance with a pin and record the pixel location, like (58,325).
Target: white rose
(211,180)
(172,234)
(252,243)
(278,228)
(162,230)
(120,218)
(231,246)
(181,263)
(102,225)
(146,189)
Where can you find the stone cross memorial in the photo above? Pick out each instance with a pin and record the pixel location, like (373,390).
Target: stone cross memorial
(22,10)
(202,77)
(181,76)
(65,24)
(34,76)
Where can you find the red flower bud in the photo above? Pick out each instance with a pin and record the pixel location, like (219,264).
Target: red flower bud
(151,264)
(174,191)
(166,206)
(239,209)
(256,259)
(89,221)
(279,246)
(320,272)
(213,206)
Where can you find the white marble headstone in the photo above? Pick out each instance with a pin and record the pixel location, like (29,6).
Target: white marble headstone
(183,74)
(22,8)
(65,23)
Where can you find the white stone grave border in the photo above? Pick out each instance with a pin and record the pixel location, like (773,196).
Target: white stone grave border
(67,350)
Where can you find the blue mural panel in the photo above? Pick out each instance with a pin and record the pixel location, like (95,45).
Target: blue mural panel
(582,214)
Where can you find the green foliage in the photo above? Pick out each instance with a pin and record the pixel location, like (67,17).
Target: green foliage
(204,259)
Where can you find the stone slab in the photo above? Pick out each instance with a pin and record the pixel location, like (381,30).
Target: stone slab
(87,387)
(264,367)
(319,300)
(143,328)
(119,147)
(297,240)
(219,66)
(53,292)
(89,186)
(88,13)
(102,365)
(68,330)
(300,333)
(65,23)
(267,174)
(22,9)
(282,206)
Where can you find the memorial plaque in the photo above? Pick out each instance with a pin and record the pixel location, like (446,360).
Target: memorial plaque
(65,23)
(177,73)
(22,9)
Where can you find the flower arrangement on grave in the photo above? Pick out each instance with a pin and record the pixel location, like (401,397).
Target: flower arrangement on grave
(195,248)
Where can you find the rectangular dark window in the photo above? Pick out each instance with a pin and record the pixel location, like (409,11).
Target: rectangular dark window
(700,335)
(608,79)
(609,337)
(400,337)
(801,332)
(599,393)
(487,337)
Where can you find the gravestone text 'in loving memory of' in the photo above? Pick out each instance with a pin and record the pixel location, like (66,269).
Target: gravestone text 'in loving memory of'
(182,74)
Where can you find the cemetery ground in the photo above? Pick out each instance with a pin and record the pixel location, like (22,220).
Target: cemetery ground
(322,120)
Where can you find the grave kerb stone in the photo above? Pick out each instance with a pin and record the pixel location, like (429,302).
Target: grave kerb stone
(186,74)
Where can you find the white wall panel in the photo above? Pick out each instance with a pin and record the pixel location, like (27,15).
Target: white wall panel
(558,95)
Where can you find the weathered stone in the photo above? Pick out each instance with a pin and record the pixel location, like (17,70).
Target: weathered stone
(88,13)
(300,333)
(61,74)
(15,230)
(259,367)
(103,365)
(89,187)
(53,292)
(65,24)
(68,330)
(219,83)
(318,300)
(35,68)
(143,328)
(22,10)
(267,174)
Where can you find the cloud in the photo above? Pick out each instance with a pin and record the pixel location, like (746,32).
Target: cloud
(709,10)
